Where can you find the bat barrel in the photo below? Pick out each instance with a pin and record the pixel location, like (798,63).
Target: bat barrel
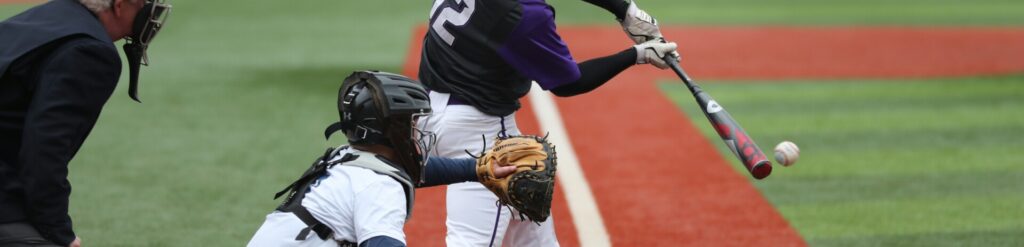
(730,131)
(761,169)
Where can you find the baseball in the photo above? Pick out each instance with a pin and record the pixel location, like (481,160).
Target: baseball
(786,153)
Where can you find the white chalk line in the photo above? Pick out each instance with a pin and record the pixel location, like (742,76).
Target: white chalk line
(585,216)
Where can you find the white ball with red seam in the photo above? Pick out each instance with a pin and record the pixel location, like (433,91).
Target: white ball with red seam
(786,153)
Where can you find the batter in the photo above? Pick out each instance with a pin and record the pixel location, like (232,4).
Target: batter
(478,59)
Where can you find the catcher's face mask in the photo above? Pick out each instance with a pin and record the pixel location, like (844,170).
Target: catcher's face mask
(148,23)
(423,140)
(412,143)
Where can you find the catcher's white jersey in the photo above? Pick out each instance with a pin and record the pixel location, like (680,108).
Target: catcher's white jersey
(356,203)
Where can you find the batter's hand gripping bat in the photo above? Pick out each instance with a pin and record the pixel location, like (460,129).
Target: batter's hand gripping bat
(728,129)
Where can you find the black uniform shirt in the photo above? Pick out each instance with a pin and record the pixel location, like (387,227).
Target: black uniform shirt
(487,52)
(58,67)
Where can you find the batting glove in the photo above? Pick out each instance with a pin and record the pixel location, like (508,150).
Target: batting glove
(654,52)
(639,26)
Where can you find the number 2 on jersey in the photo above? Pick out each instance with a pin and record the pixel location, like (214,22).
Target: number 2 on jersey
(449,15)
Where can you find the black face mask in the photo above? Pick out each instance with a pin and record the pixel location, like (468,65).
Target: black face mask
(147,24)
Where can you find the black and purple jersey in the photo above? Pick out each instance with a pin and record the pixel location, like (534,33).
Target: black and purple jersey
(486,53)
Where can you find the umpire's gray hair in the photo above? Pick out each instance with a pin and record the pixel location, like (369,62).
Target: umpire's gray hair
(97,6)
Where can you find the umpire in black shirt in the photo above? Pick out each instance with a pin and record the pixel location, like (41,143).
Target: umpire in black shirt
(58,67)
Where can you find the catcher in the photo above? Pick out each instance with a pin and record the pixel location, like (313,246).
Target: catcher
(362,194)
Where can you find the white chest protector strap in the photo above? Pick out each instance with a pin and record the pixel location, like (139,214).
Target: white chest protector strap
(353,157)
(380,166)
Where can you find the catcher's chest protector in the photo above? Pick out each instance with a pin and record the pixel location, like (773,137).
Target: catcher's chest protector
(371,161)
(349,157)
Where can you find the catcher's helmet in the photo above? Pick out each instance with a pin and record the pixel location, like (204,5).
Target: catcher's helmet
(383,108)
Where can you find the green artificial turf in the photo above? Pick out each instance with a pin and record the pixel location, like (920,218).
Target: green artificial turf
(8,10)
(811,12)
(886,163)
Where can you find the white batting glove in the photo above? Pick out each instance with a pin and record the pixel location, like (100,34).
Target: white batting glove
(654,51)
(639,26)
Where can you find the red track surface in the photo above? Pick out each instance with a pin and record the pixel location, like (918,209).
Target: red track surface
(663,183)
(822,52)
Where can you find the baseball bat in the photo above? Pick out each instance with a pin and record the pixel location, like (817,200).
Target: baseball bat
(728,129)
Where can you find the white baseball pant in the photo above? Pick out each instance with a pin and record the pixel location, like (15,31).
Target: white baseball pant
(474,217)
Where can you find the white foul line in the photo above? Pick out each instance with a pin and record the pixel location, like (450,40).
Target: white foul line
(589,225)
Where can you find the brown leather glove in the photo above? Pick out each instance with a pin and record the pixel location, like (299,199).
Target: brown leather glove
(530,188)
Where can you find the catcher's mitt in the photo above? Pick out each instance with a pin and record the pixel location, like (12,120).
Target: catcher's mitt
(529,189)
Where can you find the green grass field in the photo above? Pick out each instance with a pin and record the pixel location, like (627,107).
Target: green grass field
(810,12)
(887,163)
(239,92)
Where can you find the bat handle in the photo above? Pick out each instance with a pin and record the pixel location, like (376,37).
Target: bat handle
(673,62)
(672,59)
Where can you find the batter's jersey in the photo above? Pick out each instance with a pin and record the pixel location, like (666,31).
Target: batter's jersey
(356,203)
(486,52)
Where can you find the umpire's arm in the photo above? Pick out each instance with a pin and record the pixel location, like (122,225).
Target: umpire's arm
(74,83)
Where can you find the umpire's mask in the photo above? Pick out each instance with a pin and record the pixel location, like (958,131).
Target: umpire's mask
(147,24)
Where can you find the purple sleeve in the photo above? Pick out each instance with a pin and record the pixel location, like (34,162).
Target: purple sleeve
(535,49)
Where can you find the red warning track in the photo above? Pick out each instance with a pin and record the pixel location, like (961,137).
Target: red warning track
(657,181)
(823,52)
